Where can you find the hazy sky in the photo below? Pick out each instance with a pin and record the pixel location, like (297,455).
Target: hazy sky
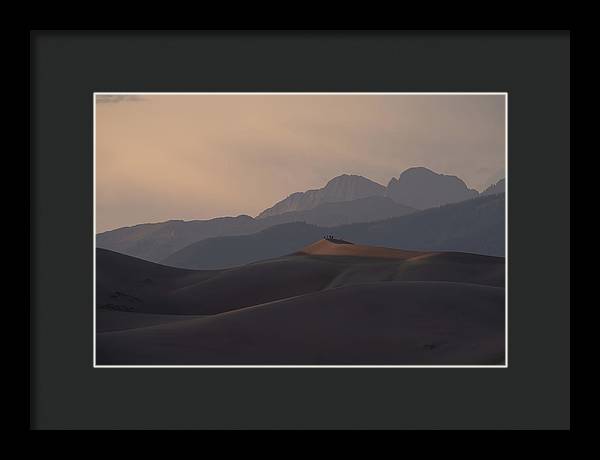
(202,156)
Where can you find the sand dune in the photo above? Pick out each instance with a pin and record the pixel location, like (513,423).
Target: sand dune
(330,302)
(345,248)
(111,320)
(133,285)
(374,323)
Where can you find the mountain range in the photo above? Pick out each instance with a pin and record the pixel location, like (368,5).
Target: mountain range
(422,188)
(154,242)
(498,187)
(418,188)
(475,226)
(344,200)
(341,188)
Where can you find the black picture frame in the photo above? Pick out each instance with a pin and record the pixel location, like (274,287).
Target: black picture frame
(66,67)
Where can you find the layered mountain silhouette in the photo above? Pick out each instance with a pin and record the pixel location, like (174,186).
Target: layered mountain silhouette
(422,188)
(342,188)
(342,212)
(418,188)
(498,187)
(329,302)
(475,226)
(155,242)
(346,199)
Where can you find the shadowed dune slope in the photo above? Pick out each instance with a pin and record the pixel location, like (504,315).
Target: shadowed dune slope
(375,323)
(126,284)
(112,320)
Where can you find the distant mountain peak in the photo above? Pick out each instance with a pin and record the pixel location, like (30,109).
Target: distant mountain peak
(416,187)
(419,170)
(422,188)
(345,187)
(348,177)
(498,187)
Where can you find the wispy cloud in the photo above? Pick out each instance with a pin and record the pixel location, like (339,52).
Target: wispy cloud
(114,98)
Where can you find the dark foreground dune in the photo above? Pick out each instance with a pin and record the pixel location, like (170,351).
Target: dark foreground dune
(378,323)
(328,303)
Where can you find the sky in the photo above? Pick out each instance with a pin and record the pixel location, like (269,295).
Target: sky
(162,157)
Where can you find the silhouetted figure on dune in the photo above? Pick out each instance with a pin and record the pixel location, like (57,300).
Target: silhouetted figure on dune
(333,239)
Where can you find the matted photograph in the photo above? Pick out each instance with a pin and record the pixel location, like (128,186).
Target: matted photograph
(300,230)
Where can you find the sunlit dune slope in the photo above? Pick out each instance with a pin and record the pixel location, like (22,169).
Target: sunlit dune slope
(337,247)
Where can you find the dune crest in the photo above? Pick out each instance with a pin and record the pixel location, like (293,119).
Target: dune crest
(336,247)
